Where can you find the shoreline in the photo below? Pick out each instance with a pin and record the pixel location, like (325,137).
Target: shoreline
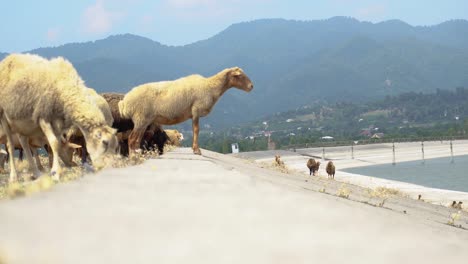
(368,155)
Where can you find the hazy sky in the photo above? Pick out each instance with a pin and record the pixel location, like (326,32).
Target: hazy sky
(28,24)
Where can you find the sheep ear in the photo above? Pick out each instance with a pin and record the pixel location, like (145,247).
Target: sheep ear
(236,72)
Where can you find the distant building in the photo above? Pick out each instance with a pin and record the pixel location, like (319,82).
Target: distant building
(366,132)
(235,148)
(378,135)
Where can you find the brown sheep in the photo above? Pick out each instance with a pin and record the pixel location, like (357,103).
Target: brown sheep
(313,166)
(173,102)
(330,170)
(310,165)
(278,161)
(121,124)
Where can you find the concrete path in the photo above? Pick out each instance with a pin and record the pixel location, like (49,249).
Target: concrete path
(183,208)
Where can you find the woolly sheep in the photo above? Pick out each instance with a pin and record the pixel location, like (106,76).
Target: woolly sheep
(75,136)
(172,102)
(153,133)
(48,96)
(35,143)
(330,170)
(174,137)
(313,166)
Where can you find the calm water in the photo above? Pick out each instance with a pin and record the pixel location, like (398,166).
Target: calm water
(436,173)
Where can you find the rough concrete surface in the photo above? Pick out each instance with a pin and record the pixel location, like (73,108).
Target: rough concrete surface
(182,208)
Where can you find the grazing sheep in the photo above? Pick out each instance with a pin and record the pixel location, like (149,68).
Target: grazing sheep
(35,143)
(330,170)
(121,124)
(174,137)
(313,166)
(457,205)
(40,96)
(75,136)
(278,161)
(173,102)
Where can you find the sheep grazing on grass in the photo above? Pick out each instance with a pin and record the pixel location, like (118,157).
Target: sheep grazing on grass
(313,166)
(121,124)
(40,96)
(174,137)
(330,170)
(278,161)
(173,102)
(34,144)
(457,205)
(75,136)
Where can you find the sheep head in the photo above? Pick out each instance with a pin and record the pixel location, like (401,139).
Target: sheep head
(237,78)
(101,142)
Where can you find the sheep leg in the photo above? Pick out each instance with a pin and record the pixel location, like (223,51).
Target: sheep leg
(38,160)
(54,144)
(134,139)
(196,129)
(20,155)
(49,154)
(11,151)
(84,155)
(27,151)
(3,157)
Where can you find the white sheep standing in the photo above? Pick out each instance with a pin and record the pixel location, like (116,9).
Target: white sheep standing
(173,102)
(48,96)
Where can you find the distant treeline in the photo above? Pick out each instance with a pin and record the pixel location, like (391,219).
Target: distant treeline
(408,115)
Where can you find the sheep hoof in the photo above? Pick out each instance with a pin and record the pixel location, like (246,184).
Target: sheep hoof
(197,151)
(55,176)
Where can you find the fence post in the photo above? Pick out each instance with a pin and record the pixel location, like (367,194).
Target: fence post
(451,152)
(352,150)
(323,153)
(393,148)
(422,151)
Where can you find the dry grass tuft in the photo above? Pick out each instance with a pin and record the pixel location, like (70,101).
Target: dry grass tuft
(15,189)
(343,192)
(383,192)
(25,186)
(453,218)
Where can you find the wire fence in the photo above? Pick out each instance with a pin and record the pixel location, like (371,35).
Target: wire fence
(415,149)
(333,143)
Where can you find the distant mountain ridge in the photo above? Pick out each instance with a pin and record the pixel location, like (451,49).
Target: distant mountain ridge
(291,63)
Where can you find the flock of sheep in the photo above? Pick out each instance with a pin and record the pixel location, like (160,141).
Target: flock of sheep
(46,103)
(314,167)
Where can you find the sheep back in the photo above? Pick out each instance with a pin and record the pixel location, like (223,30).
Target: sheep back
(33,88)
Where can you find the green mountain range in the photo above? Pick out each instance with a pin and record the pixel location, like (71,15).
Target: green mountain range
(292,63)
